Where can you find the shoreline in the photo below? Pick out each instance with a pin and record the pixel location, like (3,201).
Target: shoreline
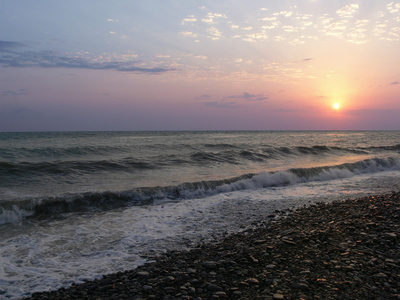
(341,250)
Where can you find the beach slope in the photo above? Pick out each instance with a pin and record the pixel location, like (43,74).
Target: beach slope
(342,250)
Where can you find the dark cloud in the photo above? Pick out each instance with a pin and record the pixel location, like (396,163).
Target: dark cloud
(204,96)
(307,59)
(14,93)
(11,57)
(6,46)
(221,104)
(285,110)
(395,82)
(19,110)
(250,97)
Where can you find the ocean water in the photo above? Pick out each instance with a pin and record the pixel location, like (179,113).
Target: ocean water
(77,205)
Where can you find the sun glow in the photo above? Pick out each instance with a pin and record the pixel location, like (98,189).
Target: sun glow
(336,105)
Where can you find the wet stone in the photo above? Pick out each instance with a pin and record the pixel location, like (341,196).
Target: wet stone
(252,281)
(214,287)
(210,265)
(342,250)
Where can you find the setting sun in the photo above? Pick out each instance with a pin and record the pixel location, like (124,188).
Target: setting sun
(336,105)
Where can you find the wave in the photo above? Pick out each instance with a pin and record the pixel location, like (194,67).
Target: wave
(16,211)
(60,152)
(73,160)
(70,167)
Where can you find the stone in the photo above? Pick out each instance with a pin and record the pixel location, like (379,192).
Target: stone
(301,286)
(169,278)
(147,287)
(252,281)
(391,235)
(278,296)
(214,288)
(209,264)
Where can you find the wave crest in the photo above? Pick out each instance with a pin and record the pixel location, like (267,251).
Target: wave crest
(13,212)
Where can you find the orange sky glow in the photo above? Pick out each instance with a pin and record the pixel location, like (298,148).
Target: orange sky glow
(220,65)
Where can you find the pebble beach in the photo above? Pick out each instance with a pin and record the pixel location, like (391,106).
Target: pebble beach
(342,250)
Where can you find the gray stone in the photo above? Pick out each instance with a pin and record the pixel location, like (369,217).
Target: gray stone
(169,278)
(209,264)
(301,286)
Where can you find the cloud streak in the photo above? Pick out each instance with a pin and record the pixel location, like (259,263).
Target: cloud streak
(10,56)
(250,97)
(14,93)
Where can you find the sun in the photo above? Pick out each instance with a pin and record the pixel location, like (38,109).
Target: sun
(336,105)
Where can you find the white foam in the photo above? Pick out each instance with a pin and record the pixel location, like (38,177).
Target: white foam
(14,215)
(58,252)
(289,177)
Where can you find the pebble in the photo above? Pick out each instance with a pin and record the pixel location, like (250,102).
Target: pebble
(210,265)
(252,280)
(169,278)
(270,266)
(343,250)
(214,287)
(147,287)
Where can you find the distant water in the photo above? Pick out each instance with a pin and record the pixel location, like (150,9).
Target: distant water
(75,206)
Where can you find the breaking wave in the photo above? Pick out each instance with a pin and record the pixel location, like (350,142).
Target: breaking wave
(16,211)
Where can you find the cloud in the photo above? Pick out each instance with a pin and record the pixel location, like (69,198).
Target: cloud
(395,82)
(210,19)
(283,110)
(200,57)
(11,57)
(348,11)
(221,104)
(227,102)
(204,96)
(393,7)
(215,33)
(19,110)
(250,97)
(188,34)
(284,13)
(14,93)
(6,46)
(190,18)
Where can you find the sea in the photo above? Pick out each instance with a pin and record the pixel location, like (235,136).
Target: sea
(77,205)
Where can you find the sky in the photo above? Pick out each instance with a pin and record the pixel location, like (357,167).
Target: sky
(199,65)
